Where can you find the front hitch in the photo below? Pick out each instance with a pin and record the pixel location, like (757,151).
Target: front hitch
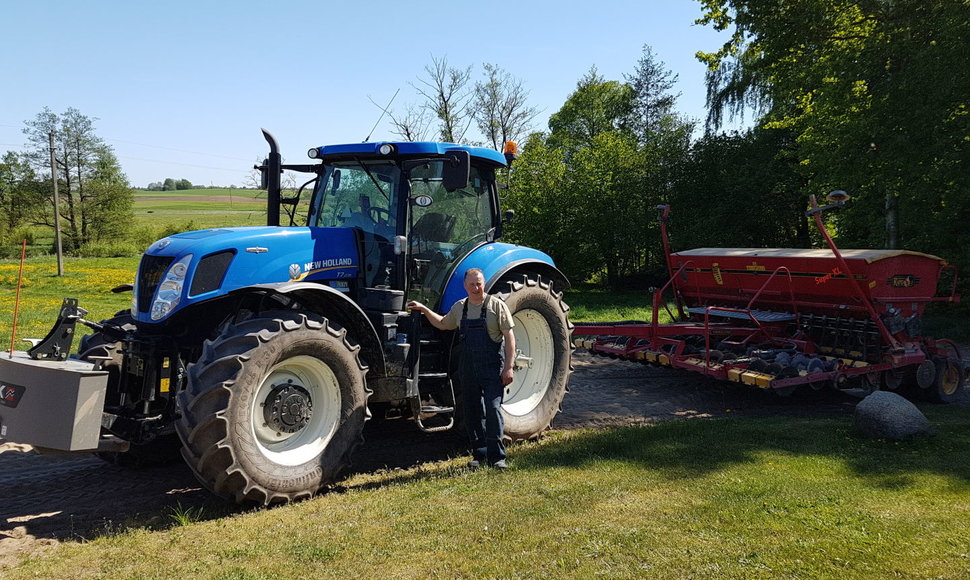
(57,344)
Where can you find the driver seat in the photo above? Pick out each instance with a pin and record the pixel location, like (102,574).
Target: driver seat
(434,227)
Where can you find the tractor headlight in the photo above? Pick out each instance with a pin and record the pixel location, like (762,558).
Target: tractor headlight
(169,292)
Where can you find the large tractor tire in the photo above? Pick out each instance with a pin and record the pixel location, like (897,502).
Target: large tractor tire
(98,346)
(542,336)
(273,409)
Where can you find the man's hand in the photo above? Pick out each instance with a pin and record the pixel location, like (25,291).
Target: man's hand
(507,376)
(433,317)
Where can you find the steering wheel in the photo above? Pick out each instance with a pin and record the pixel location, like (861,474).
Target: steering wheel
(378,214)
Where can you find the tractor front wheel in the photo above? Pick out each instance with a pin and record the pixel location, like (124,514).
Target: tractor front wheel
(273,409)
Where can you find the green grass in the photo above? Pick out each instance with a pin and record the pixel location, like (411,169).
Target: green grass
(753,498)
(204,208)
(160,213)
(589,304)
(87,279)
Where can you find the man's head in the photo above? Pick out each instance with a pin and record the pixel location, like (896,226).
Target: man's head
(475,284)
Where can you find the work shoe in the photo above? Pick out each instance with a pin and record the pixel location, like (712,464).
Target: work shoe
(500,464)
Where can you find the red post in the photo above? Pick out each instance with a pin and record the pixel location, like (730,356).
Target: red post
(889,338)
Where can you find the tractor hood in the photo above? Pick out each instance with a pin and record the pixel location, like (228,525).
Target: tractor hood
(186,268)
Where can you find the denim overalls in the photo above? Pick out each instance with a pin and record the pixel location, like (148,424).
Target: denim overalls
(481,386)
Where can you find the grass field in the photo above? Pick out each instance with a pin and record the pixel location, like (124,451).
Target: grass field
(205,208)
(733,498)
(159,213)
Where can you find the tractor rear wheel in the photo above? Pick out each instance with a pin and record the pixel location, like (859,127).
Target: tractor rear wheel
(273,409)
(542,338)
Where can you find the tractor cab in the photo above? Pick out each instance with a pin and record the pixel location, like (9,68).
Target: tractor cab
(419,207)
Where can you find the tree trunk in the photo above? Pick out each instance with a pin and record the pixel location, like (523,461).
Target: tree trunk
(892,227)
(80,192)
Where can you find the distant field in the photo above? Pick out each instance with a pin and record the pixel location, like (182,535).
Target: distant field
(205,208)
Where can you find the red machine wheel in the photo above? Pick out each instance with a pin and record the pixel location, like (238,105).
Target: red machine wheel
(900,378)
(946,386)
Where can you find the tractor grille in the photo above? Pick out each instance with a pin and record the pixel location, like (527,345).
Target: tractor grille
(150,274)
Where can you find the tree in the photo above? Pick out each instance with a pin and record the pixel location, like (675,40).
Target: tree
(82,158)
(739,190)
(447,97)
(413,125)
(590,187)
(664,137)
(871,92)
(653,103)
(546,217)
(596,106)
(109,198)
(21,193)
(500,108)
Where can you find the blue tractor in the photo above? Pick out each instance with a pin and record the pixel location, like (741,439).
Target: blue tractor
(260,352)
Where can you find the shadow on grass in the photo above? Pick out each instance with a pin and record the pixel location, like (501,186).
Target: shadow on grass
(692,449)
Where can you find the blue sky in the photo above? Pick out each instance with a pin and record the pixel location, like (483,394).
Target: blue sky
(180,89)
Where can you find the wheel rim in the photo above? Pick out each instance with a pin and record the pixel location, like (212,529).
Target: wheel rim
(296,410)
(951,379)
(534,366)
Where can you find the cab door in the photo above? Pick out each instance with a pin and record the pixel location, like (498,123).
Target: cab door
(444,227)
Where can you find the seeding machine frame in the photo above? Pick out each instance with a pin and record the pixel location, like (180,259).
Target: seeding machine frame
(779,318)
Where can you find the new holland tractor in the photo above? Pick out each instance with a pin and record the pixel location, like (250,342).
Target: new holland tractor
(260,352)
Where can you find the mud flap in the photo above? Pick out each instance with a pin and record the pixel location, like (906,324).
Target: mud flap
(53,404)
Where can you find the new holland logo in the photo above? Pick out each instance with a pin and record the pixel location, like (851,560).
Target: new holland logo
(295,271)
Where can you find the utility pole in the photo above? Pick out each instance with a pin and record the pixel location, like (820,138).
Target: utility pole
(57,210)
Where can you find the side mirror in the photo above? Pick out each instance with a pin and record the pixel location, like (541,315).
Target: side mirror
(456,171)
(509,215)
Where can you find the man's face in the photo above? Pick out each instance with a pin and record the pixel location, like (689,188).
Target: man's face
(475,285)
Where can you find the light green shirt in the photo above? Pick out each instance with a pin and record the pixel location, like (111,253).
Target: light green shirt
(497,319)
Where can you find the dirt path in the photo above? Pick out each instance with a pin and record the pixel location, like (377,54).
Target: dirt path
(49,498)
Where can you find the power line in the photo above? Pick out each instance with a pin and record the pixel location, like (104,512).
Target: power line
(176,150)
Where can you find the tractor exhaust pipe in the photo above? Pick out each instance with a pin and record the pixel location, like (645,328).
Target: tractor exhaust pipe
(270,171)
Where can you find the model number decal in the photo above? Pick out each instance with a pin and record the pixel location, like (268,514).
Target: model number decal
(10,394)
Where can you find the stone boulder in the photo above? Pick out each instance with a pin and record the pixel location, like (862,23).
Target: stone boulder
(885,415)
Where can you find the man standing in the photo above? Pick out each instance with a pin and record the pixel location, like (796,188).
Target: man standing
(484,323)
